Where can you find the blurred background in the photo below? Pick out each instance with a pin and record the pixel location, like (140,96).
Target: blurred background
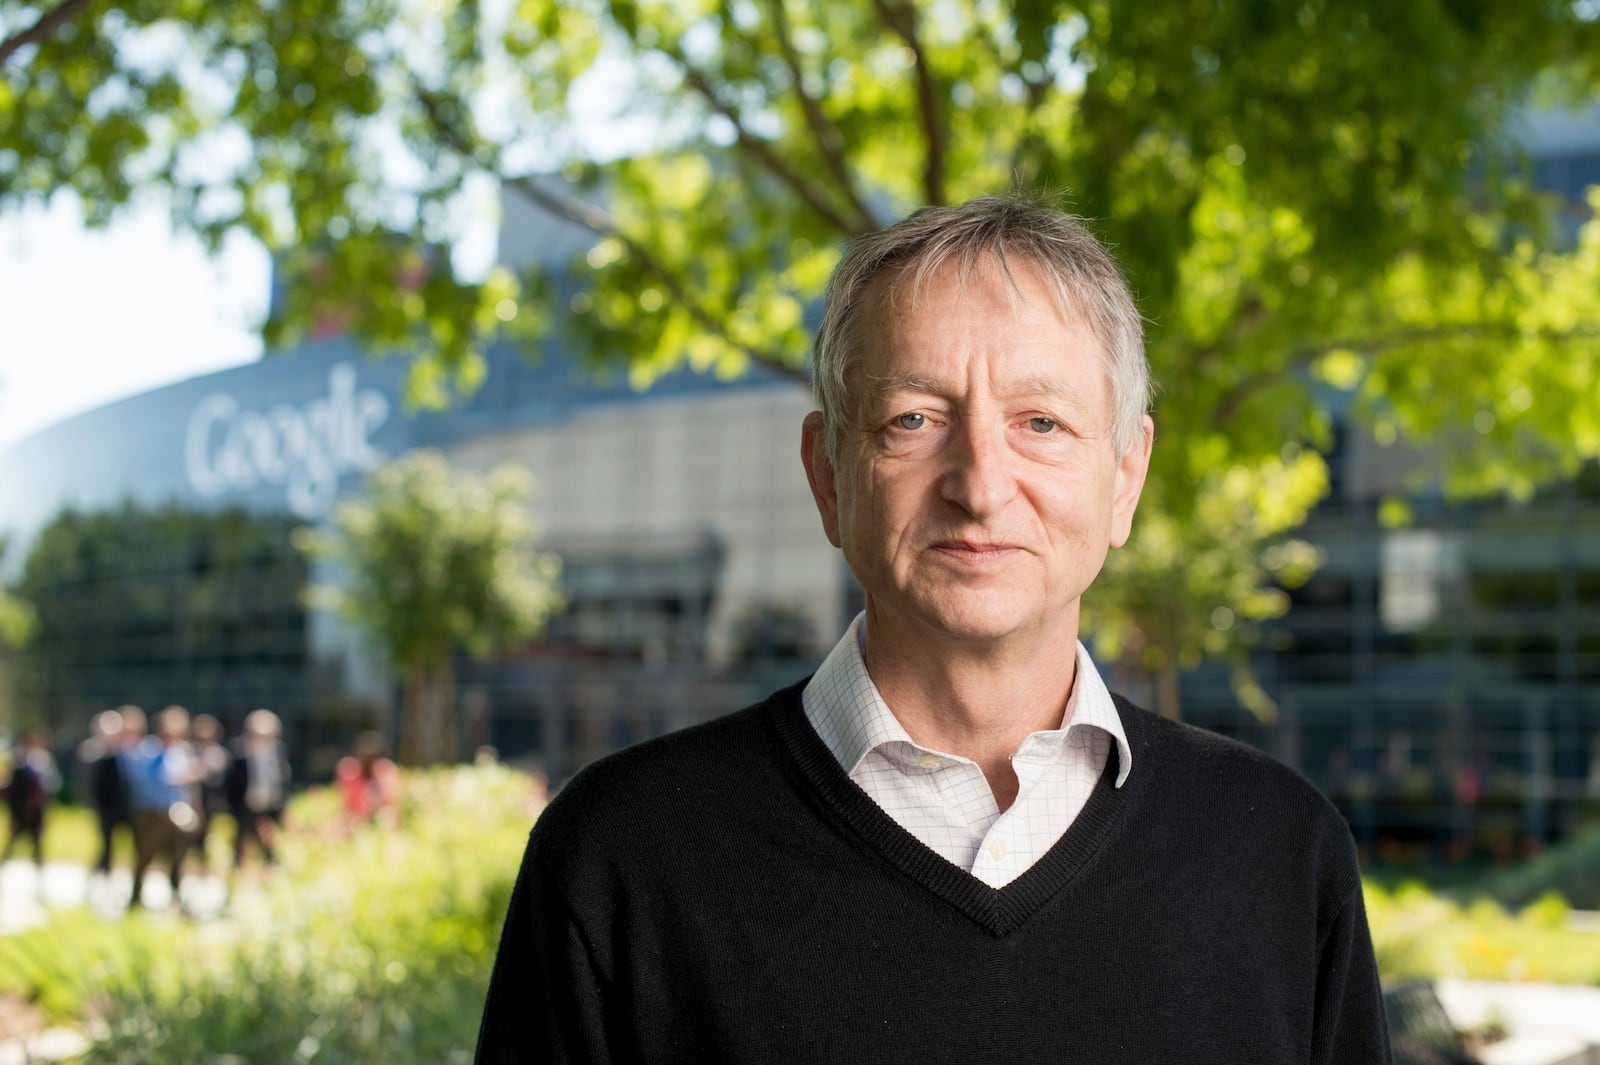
(514,307)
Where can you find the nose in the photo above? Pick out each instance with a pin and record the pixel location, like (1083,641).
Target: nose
(978,477)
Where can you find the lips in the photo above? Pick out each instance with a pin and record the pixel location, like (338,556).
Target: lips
(973,550)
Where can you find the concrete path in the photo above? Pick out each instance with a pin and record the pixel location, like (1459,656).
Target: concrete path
(1548,1024)
(28,893)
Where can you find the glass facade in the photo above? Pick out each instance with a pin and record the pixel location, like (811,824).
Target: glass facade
(1441,681)
(155,538)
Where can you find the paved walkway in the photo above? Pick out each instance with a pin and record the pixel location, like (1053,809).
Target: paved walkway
(1549,1024)
(28,893)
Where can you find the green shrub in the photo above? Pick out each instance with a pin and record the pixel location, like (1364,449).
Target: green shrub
(368,946)
(1417,933)
(1571,870)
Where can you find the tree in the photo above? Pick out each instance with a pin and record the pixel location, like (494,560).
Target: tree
(1311,199)
(159,605)
(434,561)
(18,619)
(18,622)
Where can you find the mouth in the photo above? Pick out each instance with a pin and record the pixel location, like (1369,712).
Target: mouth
(973,551)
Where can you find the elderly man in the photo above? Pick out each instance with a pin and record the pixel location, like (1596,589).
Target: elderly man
(952,843)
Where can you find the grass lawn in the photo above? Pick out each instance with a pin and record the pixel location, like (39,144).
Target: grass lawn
(71,834)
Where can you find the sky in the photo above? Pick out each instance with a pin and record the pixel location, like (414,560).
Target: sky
(88,317)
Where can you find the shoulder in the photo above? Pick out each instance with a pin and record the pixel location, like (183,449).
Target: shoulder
(1212,785)
(681,783)
(1196,757)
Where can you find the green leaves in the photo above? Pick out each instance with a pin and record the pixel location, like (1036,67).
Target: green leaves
(437,559)
(1309,199)
(433,561)
(18,619)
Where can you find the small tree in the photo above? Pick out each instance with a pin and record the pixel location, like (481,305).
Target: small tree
(17,617)
(18,622)
(435,560)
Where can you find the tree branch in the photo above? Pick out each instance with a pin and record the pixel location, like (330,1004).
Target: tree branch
(759,149)
(599,222)
(901,17)
(830,142)
(47,24)
(1230,401)
(1029,140)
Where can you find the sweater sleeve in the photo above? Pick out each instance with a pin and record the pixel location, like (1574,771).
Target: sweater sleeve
(1350,1025)
(546,1001)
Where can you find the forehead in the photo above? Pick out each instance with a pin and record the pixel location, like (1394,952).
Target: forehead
(1013,317)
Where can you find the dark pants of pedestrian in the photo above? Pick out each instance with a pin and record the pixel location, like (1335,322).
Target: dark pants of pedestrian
(156,836)
(261,829)
(26,826)
(108,831)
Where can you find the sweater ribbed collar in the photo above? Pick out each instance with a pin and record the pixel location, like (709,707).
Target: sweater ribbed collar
(999,911)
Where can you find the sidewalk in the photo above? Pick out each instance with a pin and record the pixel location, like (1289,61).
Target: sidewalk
(1549,1024)
(28,893)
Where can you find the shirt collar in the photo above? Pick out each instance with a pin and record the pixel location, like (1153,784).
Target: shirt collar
(849,714)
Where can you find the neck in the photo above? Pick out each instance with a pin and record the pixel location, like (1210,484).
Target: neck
(977,701)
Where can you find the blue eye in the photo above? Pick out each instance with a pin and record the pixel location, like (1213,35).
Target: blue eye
(1042,425)
(911,421)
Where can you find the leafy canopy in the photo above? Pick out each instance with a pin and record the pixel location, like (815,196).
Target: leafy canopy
(1313,200)
(436,560)
(18,619)
(158,605)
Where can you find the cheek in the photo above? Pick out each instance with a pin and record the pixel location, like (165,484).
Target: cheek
(869,514)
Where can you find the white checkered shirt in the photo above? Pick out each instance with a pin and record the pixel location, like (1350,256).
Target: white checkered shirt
(943,799)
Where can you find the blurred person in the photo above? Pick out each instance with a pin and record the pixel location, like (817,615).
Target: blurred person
(951,844)
(369,782)
(101,781)
(34,782)
(164,790)
(114,781)
(213,761)
(258,785)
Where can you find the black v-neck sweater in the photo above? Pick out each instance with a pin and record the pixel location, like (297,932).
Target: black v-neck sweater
(728,894)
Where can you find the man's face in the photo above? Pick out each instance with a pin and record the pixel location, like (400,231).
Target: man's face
(978,487)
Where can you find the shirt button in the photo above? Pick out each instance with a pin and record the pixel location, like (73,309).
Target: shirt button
(929,761)
(997,849)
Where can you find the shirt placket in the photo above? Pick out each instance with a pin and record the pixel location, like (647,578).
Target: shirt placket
(1004,851)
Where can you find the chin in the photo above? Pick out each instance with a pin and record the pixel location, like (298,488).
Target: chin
(979,622)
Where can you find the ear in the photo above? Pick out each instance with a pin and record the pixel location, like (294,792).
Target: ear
(1131,470)
(819,473)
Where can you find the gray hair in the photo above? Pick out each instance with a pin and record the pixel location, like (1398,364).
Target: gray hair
(1086,282)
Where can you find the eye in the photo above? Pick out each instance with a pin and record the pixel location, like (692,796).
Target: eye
(910,421)
(1042,425)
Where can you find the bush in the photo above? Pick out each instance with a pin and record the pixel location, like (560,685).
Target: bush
(371,946)
(1420,934)
(1571,870)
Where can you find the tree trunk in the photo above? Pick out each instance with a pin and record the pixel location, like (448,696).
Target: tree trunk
(413,693)
(428,733)
(442,706)
(1170,703)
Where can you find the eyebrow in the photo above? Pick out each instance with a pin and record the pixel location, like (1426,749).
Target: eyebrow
(886,384)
